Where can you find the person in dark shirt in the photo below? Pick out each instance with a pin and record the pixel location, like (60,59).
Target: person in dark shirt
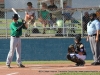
(85,19)
(52,7)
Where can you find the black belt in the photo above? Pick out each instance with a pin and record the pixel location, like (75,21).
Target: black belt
(93,35)
(16,36)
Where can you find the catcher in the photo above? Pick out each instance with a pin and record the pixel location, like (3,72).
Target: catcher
(76,52)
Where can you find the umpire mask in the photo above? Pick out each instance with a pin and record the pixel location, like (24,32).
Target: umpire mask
(92,16)
(15,16)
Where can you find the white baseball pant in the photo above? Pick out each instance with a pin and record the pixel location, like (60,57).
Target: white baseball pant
(83,57)
(15,44)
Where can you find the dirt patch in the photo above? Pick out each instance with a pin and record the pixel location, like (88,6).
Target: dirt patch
(46,69)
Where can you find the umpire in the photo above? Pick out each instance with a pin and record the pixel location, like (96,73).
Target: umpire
(15,41)
(93,28)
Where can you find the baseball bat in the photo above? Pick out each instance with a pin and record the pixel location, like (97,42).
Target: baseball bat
(15,12)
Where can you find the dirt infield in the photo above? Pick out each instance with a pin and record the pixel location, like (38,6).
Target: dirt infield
(45,69)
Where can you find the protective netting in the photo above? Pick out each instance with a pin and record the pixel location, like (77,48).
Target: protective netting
(65,22)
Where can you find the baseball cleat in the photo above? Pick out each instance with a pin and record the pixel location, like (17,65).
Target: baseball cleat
(21,66)
(95,63)
(8,66)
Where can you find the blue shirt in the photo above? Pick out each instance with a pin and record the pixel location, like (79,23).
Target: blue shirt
(92,27)
(67,13)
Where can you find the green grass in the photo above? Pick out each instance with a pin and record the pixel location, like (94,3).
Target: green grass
(40,62)
(46,62)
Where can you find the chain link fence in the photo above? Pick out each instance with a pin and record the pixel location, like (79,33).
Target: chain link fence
(61,26)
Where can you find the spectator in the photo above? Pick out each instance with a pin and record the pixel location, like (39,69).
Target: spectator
(67,14)
(85,19)
(44,16)
(29,13)
(52,7)
(98,14)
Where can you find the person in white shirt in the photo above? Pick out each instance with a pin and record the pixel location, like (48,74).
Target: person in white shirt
(29,13)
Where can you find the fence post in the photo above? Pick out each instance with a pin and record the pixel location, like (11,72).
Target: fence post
(82,23)
(6,24)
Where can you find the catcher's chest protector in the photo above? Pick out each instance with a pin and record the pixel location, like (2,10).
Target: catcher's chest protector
(77,47)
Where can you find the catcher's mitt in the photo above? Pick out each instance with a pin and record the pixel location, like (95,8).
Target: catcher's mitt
(71,49)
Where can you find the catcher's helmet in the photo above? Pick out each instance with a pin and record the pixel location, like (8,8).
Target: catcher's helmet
(29,4)
(15,16)
(78,38)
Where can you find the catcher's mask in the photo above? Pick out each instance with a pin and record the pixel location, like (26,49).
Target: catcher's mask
(78,38)
(92,16)
(15,16)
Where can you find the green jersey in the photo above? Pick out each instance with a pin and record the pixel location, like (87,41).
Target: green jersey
(45,14)
(14,26)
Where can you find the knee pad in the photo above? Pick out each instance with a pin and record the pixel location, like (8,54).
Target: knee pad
(81,61)
(74,58)
(77,60)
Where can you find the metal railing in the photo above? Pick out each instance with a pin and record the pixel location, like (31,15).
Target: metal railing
(69,27)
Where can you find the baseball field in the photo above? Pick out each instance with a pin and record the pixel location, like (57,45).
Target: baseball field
(49,68)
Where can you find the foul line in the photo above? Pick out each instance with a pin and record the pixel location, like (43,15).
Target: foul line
(60,68)
(12,73)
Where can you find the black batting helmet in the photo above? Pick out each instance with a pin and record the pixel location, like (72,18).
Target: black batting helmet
(15,16)
(78,37)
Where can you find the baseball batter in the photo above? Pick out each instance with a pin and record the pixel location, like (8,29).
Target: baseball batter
(15,41)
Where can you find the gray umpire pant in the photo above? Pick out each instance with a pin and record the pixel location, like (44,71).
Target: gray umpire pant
(95,48)
(15,44)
